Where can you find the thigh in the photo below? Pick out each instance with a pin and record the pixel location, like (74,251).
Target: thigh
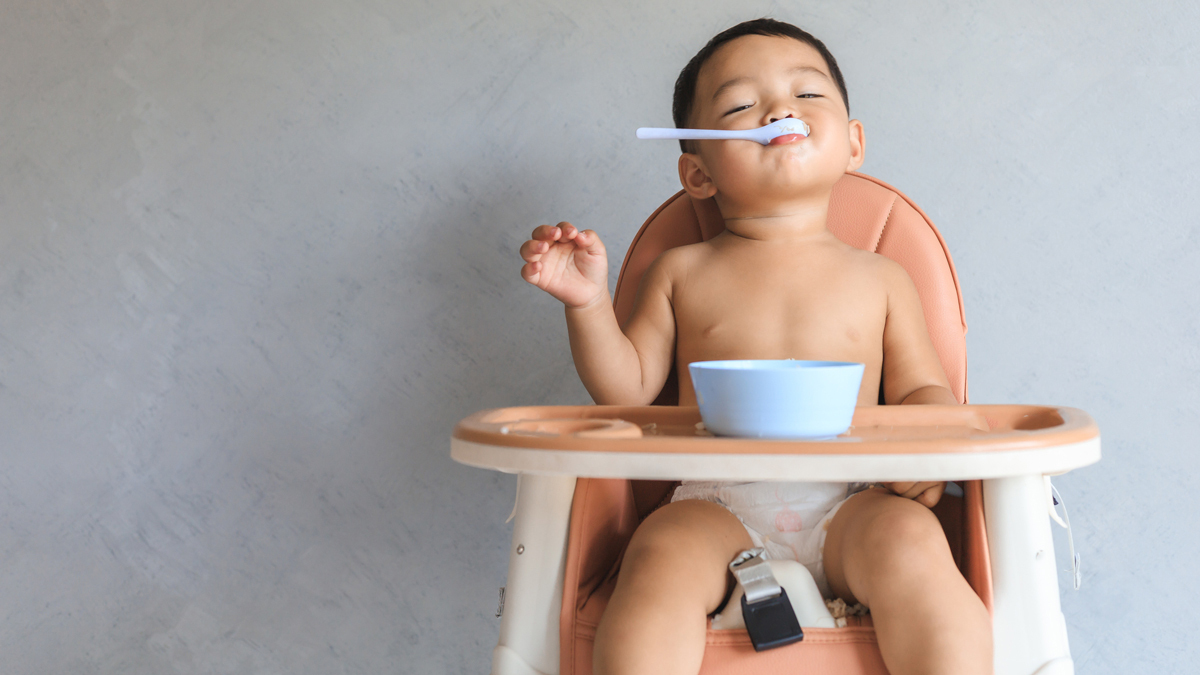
(875,531)
(687,543)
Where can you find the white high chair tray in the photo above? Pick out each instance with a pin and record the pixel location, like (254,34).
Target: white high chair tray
(884,443)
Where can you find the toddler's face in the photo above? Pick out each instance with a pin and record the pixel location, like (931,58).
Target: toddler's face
(755,80)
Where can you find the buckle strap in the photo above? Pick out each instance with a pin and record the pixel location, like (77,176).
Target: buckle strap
(754,574)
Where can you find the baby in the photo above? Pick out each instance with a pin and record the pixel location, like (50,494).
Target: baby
(776,284)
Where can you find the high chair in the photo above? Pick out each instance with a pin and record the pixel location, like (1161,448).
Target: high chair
(577,505)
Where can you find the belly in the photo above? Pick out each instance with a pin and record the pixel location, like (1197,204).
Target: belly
(852,343)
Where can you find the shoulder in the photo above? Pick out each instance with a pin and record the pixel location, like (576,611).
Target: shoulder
(686,254)
(901,291)
(668,269)
(890,271)
(887,276)
(879,267)
(675,263)
(883,268)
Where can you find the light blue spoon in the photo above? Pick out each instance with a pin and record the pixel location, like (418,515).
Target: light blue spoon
(784,127)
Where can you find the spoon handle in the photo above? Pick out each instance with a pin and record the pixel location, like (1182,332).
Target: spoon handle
(693,134)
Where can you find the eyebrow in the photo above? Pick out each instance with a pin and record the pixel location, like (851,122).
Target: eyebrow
(739,80)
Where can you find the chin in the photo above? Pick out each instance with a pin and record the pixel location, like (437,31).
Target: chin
(788,189)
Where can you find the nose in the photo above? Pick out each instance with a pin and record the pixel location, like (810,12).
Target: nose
(776,119)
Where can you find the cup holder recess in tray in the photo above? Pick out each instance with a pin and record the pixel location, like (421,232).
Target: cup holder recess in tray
(583,428)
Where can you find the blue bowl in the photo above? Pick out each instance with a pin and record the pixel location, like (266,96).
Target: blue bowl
(777,399)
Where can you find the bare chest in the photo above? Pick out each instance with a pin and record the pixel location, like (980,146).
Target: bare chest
(779,315)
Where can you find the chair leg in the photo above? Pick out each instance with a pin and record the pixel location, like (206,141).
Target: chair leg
(529,624)
(1029,629)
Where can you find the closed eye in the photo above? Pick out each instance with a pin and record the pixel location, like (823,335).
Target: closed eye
(739,109)
(808,96)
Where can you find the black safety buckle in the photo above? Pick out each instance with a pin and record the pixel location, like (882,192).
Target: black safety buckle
(768,614)
(771,622)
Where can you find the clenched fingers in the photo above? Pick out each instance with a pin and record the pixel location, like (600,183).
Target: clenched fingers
(589,241)
(532,250)
(553,232)
(530,272)
(927,493)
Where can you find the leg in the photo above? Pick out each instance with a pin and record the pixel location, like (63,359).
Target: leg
(890,554)
(675,572)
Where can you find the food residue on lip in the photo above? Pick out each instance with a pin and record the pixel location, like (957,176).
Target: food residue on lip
(786,138)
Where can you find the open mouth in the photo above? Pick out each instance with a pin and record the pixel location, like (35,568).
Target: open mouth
(788,138)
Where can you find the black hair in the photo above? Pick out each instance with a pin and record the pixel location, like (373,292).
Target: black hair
(685,86)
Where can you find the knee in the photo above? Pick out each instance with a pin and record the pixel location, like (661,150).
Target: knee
(681,539)
(651,548)
(902,532)
(894,553)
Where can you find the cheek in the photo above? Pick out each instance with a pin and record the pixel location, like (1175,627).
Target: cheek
(728,167)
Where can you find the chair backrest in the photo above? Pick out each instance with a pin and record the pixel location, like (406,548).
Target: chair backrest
(864,212)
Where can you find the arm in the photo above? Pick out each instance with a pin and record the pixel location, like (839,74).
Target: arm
(626,366)
(616,366)
(912,370)
(934,394)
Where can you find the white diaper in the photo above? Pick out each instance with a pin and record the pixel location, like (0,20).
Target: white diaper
(789,520)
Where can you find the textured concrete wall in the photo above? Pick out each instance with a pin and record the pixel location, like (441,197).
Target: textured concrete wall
(257,257)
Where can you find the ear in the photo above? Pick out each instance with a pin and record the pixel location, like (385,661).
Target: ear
(858,145)
(694,177)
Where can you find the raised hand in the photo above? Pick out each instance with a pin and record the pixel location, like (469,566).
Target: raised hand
(567,263)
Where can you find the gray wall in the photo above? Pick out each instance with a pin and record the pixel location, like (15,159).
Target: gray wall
(256,258)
